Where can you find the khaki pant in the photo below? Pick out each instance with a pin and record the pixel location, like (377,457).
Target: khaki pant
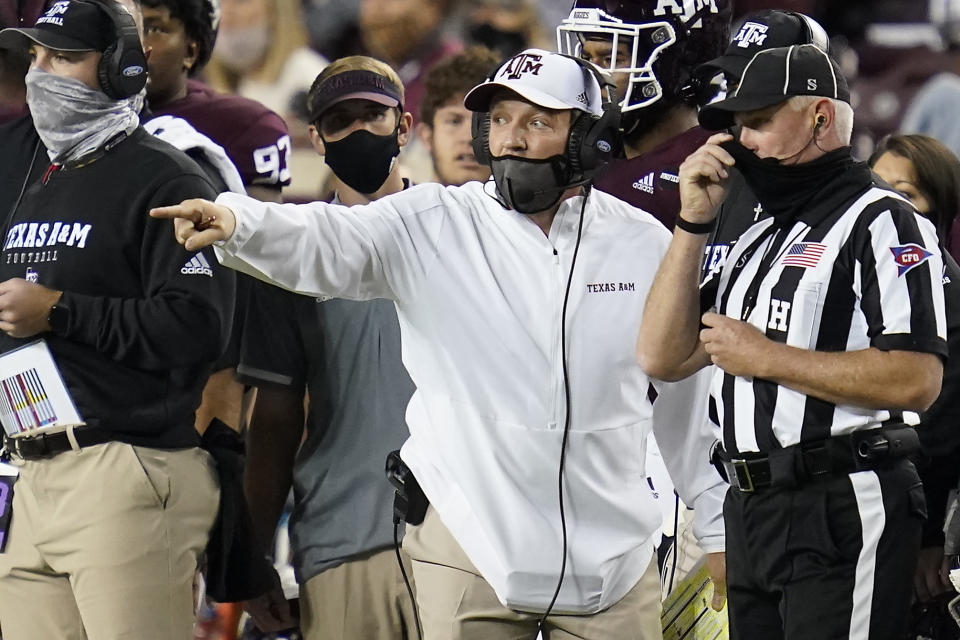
(456,603)
(364,598)
(104,543)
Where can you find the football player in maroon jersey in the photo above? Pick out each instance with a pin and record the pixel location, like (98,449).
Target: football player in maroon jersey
(651,48)
(179,35)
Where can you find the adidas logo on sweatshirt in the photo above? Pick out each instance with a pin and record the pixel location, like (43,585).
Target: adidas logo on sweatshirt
(197,265)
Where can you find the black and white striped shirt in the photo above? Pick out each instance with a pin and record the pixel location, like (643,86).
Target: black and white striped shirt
(859,271)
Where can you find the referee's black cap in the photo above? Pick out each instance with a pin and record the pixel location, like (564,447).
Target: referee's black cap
(773,76)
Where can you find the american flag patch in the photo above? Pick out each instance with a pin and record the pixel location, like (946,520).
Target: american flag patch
(804,254)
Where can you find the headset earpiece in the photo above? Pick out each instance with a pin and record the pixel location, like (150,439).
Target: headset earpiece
(480,136)
(821,120)
(592,141)
(579,129)
(123,67)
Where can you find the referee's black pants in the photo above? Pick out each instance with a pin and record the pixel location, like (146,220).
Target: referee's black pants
(829,560)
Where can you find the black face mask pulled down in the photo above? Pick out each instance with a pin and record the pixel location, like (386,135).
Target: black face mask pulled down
(363,160)
(531,186)
(786,191)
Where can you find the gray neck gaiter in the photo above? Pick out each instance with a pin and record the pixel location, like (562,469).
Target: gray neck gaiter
(73,119)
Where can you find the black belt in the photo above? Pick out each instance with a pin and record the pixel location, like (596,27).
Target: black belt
(45,445)
(816,460)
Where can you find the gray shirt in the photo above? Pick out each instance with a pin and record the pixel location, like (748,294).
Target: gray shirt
(346,355)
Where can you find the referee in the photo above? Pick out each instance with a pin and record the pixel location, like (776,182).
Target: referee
(827,326)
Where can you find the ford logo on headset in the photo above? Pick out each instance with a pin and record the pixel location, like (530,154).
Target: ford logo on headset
(604,146)
(134,70)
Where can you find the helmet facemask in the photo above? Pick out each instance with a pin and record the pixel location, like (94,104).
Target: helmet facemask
(638,48)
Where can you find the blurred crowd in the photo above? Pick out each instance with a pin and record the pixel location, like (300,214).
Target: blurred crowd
(893,51)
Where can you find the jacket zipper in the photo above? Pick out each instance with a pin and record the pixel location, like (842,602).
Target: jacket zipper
(49,172)
(557,364)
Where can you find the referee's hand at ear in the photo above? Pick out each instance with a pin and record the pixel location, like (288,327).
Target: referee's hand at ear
(198,223)
(703,178)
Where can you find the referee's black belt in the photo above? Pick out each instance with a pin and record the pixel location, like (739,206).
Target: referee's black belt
(44,445)
(815,460)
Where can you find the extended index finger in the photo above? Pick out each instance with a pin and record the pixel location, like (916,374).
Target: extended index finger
(191,210)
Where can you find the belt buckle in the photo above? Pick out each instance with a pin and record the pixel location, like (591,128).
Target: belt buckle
(742,474)
(13,445)
(37,443)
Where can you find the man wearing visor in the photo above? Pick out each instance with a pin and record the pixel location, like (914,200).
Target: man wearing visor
(344,356)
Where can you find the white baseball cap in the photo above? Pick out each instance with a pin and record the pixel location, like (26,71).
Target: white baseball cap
(546,79)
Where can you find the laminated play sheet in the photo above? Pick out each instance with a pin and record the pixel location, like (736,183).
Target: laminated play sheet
(33,397)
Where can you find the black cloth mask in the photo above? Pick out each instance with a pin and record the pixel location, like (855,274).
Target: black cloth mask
(786,191)
(530,186)
(363,160)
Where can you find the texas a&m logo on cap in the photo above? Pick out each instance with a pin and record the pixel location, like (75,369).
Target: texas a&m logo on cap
(54,13)
(909,256)
(521,64)
(751,33)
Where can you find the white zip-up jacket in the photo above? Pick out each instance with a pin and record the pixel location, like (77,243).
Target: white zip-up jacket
(479,293)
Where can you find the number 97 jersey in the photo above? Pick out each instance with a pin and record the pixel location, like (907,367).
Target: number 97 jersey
(255,138)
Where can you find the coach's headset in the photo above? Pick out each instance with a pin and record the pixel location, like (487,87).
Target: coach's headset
(123,66)
(592,141)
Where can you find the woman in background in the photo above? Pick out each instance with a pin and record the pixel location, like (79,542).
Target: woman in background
(928,174)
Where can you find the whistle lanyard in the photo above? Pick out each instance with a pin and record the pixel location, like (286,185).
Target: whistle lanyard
(766,264)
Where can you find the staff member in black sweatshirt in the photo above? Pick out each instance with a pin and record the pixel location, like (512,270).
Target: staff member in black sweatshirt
(109,518)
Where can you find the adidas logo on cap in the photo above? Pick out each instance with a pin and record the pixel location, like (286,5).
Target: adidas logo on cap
(197,266)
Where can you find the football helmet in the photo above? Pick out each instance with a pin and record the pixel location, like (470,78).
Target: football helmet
(657,42)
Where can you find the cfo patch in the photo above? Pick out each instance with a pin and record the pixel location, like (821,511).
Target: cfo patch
(909,256)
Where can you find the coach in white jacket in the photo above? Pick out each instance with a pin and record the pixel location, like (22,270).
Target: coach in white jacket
(482,291)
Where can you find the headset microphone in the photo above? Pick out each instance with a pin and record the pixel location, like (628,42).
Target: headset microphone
(522,195)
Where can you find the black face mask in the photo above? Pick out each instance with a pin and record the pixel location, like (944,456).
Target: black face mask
(785,191)
(506,43)
(363,160)
(530,186)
